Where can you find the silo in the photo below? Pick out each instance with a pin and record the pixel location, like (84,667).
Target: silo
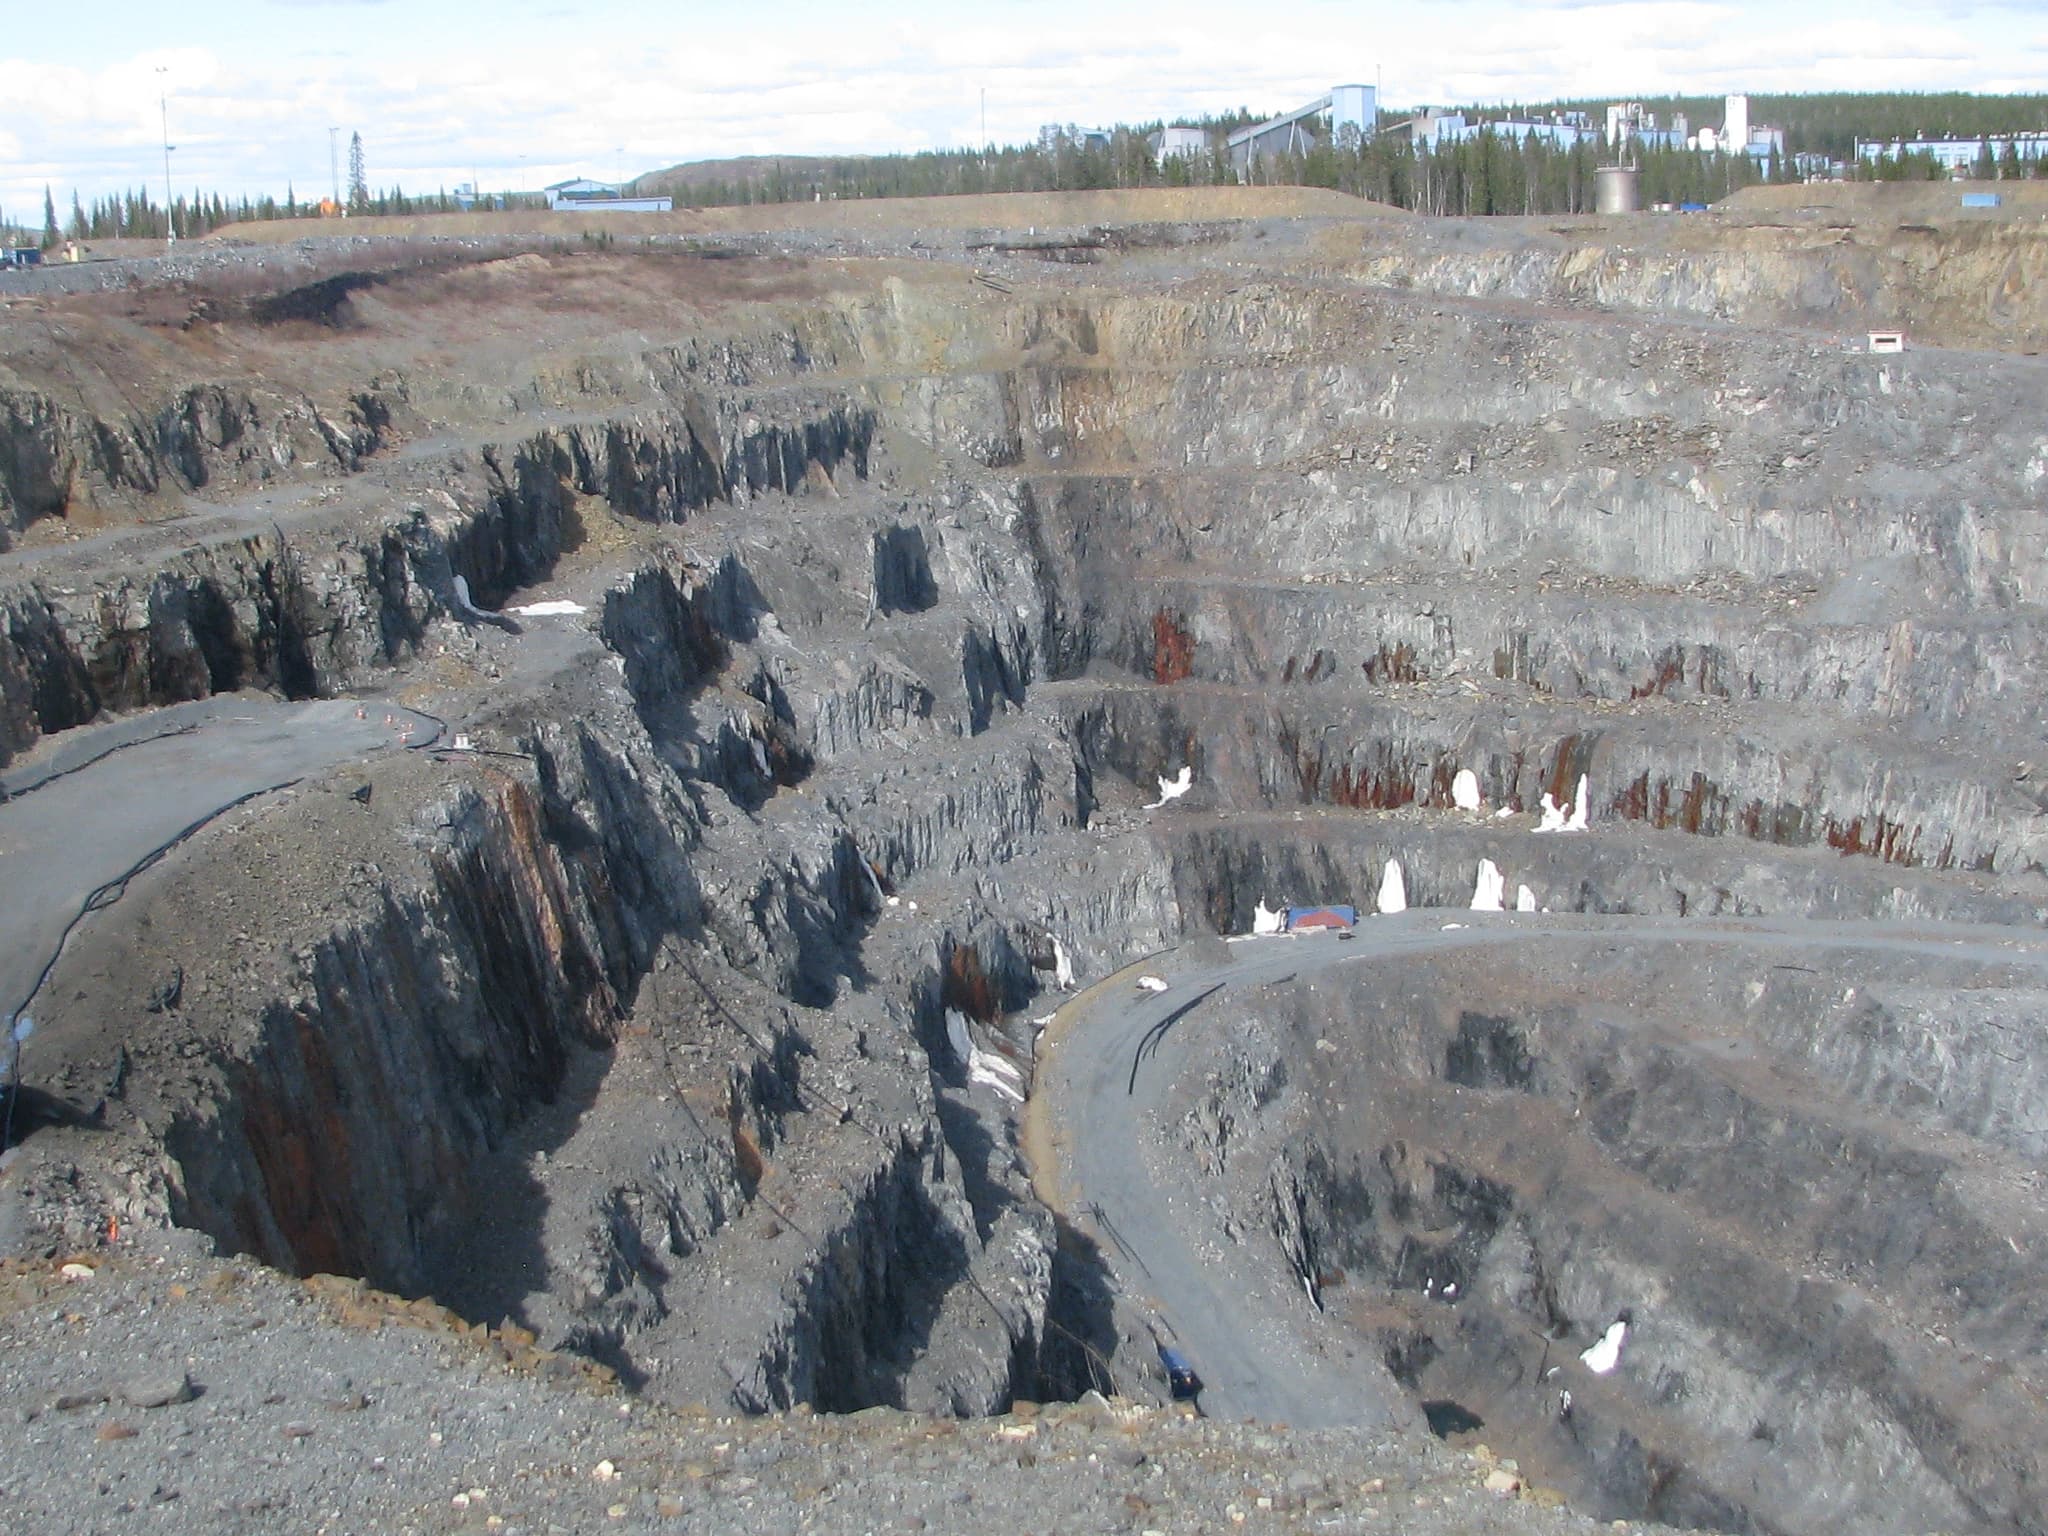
(1614,189)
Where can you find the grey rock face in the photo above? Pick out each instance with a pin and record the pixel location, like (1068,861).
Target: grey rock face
(628,1027)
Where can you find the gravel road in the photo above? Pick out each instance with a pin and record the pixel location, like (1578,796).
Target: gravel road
(1108,1062)
(104,798)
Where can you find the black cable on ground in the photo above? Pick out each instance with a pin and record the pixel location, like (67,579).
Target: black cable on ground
(447,754)
(98,900)
(7,794)
(1149,1045)
(442,729)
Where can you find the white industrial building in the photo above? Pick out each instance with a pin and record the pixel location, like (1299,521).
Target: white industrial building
(1630,122)
(1179,143)
(582,195)
(1737,135)
(1435,129)
(1323,121)
(1957,156)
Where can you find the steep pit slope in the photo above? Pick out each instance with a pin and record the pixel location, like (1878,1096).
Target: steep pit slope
(1814,1201)
(624,1016)
(678,1023)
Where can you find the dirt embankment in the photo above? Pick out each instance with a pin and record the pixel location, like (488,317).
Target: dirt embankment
(1883,200)
(989,210)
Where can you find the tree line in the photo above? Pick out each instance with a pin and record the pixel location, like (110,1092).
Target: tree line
(1490,172)
(1830,123)
(134,215)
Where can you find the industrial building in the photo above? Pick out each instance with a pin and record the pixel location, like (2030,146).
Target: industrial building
(581,195)
(1958,156)
(1434,129)
(1179,143)
(1325,120)
(1630,123)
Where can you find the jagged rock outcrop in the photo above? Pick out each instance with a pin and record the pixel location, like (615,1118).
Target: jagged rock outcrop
(875,611)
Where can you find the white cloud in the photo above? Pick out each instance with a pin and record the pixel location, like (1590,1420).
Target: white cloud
(519,96)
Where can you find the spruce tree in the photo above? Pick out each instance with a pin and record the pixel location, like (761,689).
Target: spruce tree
(50,235)
(358,180)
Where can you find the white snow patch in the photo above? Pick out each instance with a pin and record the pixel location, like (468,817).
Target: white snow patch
(999,1066)
(1486,894)
(1606,1355)
(1393,895)
(989,1071)
(1525,899)
(1062,966)
(1465,790)
(1555,818)
(1151,983)
(980,1073)
(1267,919)
(549,609)
(1173,789)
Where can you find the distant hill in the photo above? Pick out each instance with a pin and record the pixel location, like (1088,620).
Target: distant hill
(742,170)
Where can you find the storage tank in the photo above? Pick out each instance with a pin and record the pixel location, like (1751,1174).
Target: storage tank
(1614,189)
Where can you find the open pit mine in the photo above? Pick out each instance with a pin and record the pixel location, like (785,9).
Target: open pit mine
(702,801)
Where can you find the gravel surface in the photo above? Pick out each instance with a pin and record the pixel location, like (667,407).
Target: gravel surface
(151,1387)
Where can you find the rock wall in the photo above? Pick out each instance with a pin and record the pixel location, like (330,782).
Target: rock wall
(1502,1168)
(314,612)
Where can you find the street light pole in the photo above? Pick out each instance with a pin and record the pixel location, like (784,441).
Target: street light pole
(163,107)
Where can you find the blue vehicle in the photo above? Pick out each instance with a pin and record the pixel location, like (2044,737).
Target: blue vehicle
(1181,1377)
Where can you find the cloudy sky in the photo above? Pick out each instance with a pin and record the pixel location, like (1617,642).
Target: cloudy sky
(523,92)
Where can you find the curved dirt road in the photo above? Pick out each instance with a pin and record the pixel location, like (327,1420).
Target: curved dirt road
(106,798)
(1261,1346)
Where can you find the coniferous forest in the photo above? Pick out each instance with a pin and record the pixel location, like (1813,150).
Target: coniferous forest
(1491,172)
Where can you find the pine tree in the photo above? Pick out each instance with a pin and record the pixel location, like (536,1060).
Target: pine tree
(50,235)
(358,180)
